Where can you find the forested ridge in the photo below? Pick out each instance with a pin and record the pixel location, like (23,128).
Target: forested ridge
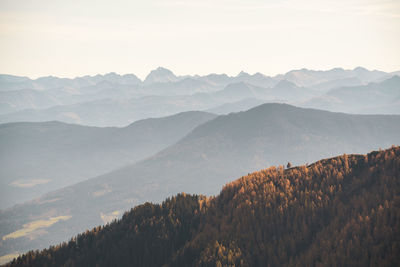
(343,211)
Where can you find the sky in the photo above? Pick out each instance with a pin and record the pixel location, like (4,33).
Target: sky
(74,38)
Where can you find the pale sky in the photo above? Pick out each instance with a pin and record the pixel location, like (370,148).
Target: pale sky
(69,38)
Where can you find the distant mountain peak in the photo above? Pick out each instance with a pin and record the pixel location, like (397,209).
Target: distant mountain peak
(162,69)
(217,75)
(242,73)
(111,74)
(259,74)
(130,75)
(360,69)
(297,71)
(46,78)
(160,75)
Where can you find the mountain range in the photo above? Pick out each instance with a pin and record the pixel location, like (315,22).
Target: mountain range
(209,156)
(118,100)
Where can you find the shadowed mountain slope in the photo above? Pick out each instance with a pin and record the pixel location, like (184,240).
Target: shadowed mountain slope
(36,158)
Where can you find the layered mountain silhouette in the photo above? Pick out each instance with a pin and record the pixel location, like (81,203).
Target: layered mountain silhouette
(118,100)
(115,112)
(241,90)
(305,77)
(343,211)
(208,157)
(36,158)
(381,97)
(332,84)
(11,82)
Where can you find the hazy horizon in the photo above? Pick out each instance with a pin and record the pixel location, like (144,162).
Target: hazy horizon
(69,39)
(142,78)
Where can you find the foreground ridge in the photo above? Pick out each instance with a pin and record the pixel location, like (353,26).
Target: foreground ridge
(335,212)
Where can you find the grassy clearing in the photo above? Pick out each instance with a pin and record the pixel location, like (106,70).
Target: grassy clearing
(35,225)
(7,258)
(29,183)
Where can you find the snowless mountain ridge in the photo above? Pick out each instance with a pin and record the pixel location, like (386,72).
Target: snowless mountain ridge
(300,77)
(118,100)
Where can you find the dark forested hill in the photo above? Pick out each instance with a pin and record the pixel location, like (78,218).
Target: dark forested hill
(36,158)
(343,211)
